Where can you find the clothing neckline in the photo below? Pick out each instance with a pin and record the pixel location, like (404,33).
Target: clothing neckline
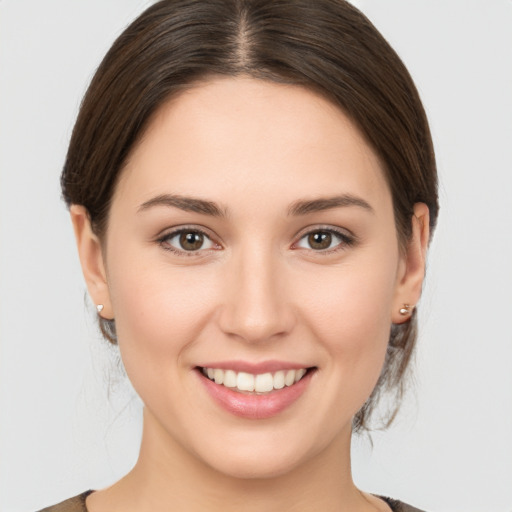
(396,506)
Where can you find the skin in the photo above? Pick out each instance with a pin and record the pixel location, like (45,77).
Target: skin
(256,290)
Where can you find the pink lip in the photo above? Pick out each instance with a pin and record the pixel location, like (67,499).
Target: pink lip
(270,366)
(252,406)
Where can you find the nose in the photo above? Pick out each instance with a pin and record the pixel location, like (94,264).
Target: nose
(256,305)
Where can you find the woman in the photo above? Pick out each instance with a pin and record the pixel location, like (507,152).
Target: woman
(252,187)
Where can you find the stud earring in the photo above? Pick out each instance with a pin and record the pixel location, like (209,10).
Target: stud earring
(99,308)
(406,309)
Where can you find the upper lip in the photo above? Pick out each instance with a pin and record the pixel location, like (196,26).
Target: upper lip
(255,368)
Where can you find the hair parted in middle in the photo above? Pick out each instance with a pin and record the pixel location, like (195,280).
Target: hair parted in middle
(327,46)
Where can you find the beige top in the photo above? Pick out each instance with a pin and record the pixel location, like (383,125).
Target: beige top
(77,504)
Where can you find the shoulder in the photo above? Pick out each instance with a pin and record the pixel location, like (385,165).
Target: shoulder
(398,506)
(76,504)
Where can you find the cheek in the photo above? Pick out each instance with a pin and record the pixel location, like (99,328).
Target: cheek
(351,301)
(158,311)
(349,312)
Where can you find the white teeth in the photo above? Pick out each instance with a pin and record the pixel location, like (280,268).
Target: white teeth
(279,380)
(218,376)
(245,381)
(299,374)
(230,379)
(289,378)
(261,383)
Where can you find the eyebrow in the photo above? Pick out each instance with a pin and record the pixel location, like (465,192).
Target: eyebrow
(302,207)
(188,204)
(327,203)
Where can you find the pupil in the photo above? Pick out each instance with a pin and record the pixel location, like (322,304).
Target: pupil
(320,240)
(191,241)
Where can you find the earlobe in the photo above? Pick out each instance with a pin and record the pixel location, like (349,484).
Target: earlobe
(91,259)
(411,279)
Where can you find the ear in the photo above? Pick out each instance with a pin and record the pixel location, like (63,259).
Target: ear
(91,259)
(412,266)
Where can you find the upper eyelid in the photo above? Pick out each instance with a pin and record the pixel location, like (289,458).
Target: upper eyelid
(337,230)
(172,231)
(347,239)
(197,255)
(325,227)
(169,233)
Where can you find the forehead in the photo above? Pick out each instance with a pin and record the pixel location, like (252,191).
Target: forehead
(233,136)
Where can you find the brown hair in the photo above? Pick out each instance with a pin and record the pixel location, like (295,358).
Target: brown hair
(325,45)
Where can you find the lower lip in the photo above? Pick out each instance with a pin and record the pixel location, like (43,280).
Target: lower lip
(255,407)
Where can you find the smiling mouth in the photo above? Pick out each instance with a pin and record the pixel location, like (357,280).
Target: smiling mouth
(262,383)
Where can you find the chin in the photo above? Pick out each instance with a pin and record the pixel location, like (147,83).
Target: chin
(263,455)
(255,468)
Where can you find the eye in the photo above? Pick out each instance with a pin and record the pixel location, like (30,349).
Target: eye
(324,240)
(187,240)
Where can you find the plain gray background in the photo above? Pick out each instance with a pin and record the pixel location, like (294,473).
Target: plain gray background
(68,422)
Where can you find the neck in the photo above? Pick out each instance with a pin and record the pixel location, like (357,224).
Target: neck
(168,477)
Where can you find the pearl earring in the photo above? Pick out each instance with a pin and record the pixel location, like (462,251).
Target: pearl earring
(406,309)
(99,308)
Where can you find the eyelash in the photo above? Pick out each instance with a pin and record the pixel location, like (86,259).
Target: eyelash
(164,241)
(345,241)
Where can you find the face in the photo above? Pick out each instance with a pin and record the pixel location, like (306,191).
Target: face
(253,269)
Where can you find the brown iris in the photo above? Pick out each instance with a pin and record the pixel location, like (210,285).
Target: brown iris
(320,240)
(191,240)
